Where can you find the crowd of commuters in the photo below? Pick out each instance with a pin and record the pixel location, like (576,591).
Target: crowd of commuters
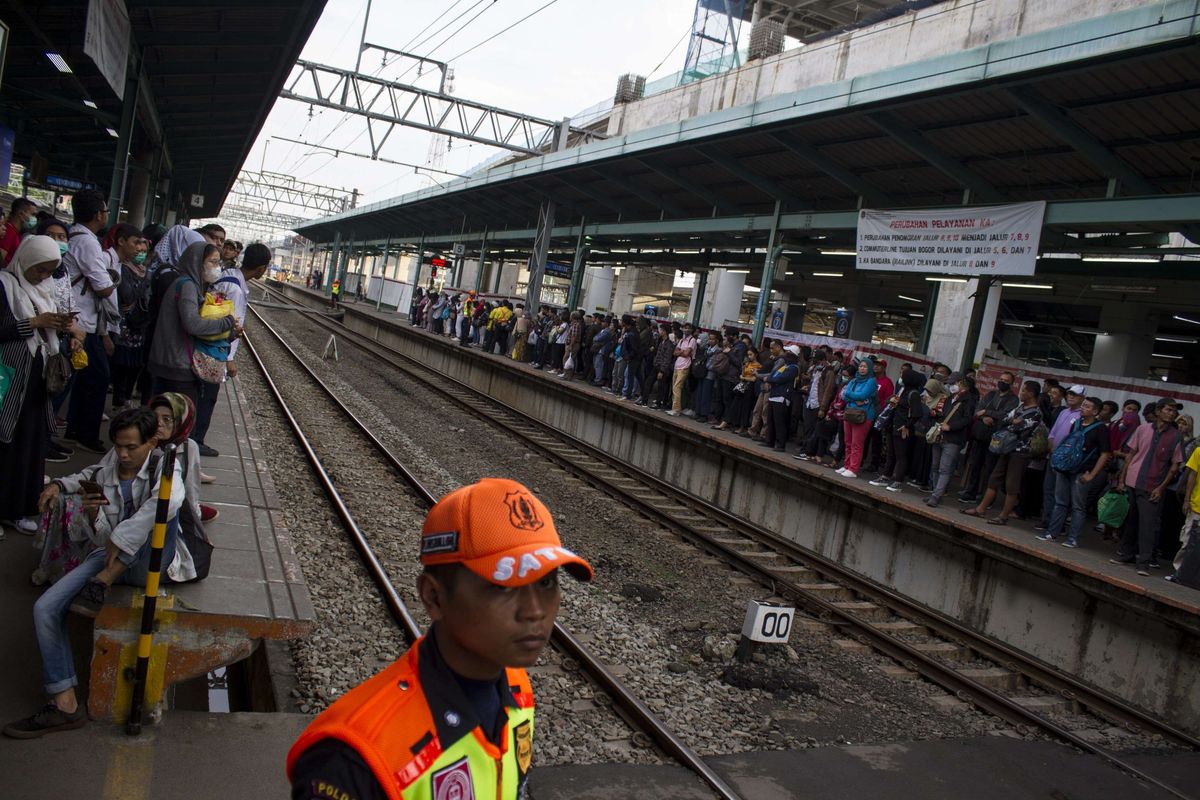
(101,322)
(1043,453)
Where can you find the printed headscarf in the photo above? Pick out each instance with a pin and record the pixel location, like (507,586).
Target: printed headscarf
(934,392)
(172,246)
(184,412)
(27,299)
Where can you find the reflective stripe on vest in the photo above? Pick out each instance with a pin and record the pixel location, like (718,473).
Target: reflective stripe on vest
(387,720)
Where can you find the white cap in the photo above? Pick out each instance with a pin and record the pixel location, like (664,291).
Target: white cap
(1078,390)
(793,349)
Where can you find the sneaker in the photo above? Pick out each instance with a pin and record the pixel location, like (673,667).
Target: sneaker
(1045,537)
(689,413)
(1152,565)
(55,456)
(205,450)
(926,489)
(840,470)
(1120,561)
(968,498)
(672,413)
(932,501)
(49,720)
(1143,570)
(1070,543)
(90,599)
(845,473)
(1099,527)
(61,448)
(27,525)
(208,513)
(880,481)
(94,446)
(1041,526)
(1171,578)
(205,478)
(895,486)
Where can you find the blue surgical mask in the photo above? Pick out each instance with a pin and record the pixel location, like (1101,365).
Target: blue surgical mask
(140,258)
(31,224)
(62,248)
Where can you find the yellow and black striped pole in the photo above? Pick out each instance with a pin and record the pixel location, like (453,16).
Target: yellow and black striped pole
(150,599)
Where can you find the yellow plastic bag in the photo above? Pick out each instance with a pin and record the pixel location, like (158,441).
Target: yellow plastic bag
(79,359)
(216,306)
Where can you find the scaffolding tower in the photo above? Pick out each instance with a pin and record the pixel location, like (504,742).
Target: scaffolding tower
(713,46)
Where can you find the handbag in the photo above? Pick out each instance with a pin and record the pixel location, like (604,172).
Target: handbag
(1112,508)
(855,416)
(935,434)
(1003,442)
(58,372)
(6,376)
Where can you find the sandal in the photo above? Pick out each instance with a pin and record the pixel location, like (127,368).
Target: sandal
(970,512)
(998,521)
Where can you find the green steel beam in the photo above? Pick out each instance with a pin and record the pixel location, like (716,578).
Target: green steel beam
(855,183)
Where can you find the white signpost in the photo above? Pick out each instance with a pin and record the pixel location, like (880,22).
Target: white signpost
(765,622)
(979,241)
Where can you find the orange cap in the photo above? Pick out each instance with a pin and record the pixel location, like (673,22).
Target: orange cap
(497,529)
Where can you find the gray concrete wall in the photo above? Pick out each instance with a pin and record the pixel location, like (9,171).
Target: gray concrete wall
(1132,645)
(934,31)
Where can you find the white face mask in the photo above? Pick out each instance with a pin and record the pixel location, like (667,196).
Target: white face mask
(211,274)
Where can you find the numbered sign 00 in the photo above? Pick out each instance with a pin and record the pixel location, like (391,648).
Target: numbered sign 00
(766,622)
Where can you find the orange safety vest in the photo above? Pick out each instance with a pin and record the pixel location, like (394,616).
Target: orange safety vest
(417,746)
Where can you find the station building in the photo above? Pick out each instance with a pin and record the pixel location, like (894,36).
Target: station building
(738,197)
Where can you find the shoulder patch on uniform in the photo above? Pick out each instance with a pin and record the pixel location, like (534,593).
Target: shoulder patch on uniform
(453,782)
(444,542)
(523,737)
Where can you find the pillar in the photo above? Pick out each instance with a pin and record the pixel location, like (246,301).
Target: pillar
(862,325)
(793,314)
(598,292)
(139,188)
(1127,344)
(951,331)
(723,298)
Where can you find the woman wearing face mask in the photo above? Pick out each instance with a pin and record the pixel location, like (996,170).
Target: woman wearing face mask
(64,303)
(29,328)
(127,248)
(179,321)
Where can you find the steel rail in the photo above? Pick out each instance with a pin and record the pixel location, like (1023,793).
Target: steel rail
(395,603)
(963,687)
(628,702)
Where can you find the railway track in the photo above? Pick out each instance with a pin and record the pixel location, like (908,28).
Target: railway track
(627,704)
(1012,686)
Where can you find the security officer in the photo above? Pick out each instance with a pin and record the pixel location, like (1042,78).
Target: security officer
(452,719)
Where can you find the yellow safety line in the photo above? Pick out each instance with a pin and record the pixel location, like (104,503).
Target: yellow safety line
(130,771)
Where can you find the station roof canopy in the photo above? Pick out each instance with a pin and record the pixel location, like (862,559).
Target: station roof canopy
(1101,119)
(212,71)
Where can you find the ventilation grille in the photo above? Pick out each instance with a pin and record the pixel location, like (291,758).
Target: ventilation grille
(766,39)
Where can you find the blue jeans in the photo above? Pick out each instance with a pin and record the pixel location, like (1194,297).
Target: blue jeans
(89,392)
(598,369)
(631,380)
(1068,491)
(50,610)
(944,459)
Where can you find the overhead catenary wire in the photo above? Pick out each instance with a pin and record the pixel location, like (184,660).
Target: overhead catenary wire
(499,33)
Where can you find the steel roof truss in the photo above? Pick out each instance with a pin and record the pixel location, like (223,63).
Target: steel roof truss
(855,183)
(914,141)
(764,184)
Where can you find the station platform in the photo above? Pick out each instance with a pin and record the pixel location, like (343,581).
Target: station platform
(254,592)
(1091,559)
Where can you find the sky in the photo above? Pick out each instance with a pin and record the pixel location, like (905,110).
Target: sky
(562,60)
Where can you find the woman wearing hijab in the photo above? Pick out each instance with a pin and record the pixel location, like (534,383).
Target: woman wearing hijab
(903,430)
(179,321)
(937,400)
(29,328)
(860,396)
(176,419)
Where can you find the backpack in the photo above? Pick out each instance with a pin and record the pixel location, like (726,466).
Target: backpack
(138,318)
(1069,455)
(720,363)
(926,420)
(1039,441)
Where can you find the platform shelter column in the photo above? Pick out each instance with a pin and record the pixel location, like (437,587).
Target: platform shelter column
(599,290)
(1127,344)
(950,327)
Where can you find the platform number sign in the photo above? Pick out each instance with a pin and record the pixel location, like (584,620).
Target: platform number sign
(768,622)
(460,250)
